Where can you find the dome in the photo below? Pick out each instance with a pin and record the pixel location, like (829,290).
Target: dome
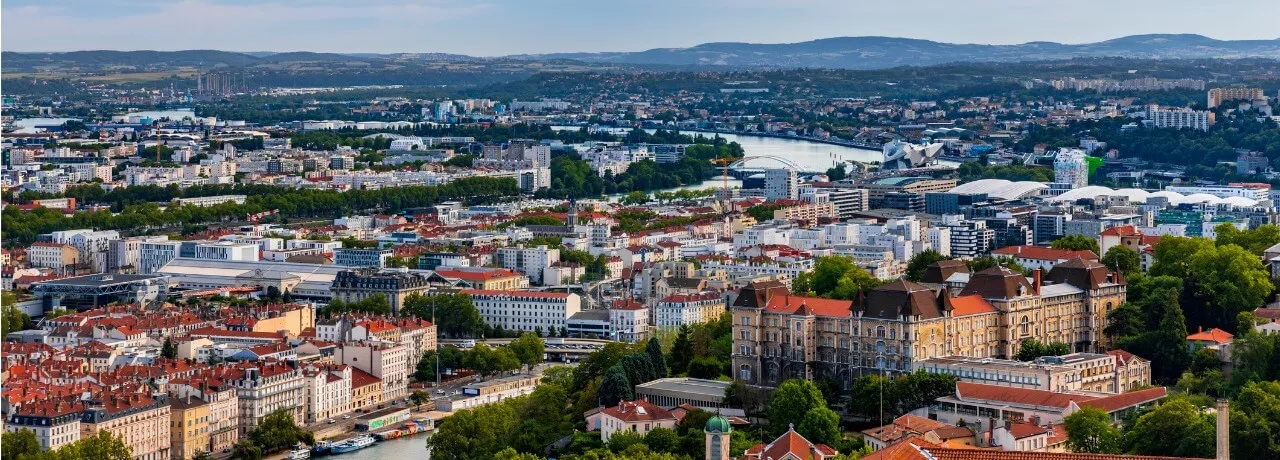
(718,424)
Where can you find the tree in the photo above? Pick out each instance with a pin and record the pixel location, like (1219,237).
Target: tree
(169,350)
(614,387)
(921,261)
(1164,342)
(661,439)
(19,444)
(102,445)
(1122,259)
(790,403)
(900,395)
(13,319)
(1031,349)
(419,397)
(1255,432)
(1228,280)
(454,314)
(657,360)
(635,198)
(624,440)
(820,425)
(838,278)
(705,367)
(1076,243)
(1255,240)
(528,349)
(1176,428)
(1089,430)
(682,351)
(278,431)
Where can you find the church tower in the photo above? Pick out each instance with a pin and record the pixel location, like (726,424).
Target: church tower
(718,432)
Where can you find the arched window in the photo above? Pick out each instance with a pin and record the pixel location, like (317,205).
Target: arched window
(879,331)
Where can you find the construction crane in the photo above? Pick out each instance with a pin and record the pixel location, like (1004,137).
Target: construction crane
(256,217)
(724,163)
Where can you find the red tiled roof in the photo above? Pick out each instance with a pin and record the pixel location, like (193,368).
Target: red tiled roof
(944,453)
(476,275)
(1212,335)
(790,443)
(1123,230)
(1043,253)
(526,294)
(1125,400)
(1026,429)
(638,411)
(972,304)
(818,306)
(361,378)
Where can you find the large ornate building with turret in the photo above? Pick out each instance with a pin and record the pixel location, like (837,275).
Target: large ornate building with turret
(777,335)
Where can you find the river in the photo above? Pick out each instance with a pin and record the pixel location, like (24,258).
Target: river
(407,447)
(809,155)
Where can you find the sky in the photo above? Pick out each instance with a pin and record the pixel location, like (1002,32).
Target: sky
(503,27)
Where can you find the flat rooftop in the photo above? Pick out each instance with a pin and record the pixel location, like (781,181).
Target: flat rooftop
(683,385)
(101,280)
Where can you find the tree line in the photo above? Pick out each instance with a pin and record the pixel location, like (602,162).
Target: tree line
(21,228)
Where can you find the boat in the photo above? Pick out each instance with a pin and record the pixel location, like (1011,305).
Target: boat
(300,453)
(322,448)
(353,444)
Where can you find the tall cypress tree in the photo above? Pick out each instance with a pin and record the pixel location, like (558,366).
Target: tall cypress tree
(656,359)
(614,387)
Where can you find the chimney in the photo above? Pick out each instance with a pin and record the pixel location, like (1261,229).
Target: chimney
(1038,274)
(1223,430)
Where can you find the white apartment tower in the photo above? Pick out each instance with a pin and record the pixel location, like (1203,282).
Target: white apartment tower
(1070,168)
(782,184)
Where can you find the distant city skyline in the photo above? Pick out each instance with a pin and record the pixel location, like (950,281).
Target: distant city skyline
(504,27)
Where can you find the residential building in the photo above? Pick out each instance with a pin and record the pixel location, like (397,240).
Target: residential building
(362,283)
(264,387)
(1219,95)
(893,327)
(639,417)
(525,310)
(1070,168)
(678,310)
(328,392)
(362,257)
(790,445)
(781,184)
(366,390)
(1180,118)
(59,257)
(389,362)
(189,427)
(1042,258)
(55,423)
(530,261)
(629,320)
(140,420)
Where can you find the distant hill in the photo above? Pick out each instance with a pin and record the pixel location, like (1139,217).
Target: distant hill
(883,52)
(839,53)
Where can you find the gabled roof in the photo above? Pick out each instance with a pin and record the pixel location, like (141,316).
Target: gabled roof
(904,298)
(998,283)
(790,443)
(1212,335)
(1043,253)
(970,305)
(638,411)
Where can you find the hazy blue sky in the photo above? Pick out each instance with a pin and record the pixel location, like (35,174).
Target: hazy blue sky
(497,27)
